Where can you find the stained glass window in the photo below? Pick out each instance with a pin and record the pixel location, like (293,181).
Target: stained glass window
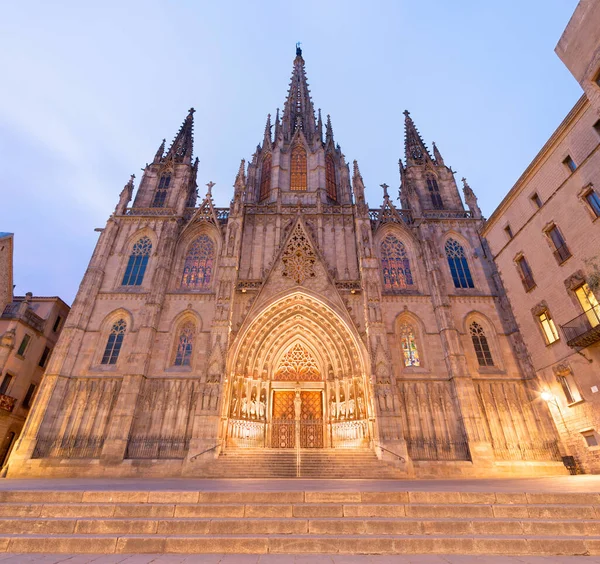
(265,178)
(395,264)
(115,340)
(409,346)
(199,263)
(459,267)
(480,343)
(138,261)
(434,193)
(331,186)
(161,192)
(298,167)
(184,345)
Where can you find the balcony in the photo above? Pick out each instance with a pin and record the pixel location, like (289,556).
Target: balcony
(562,253)
(584,330)
(7,403)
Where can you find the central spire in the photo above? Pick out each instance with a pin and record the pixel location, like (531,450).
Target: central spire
(298,111)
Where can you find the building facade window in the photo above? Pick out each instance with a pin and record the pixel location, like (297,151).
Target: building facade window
(569,387)
(138,261)
(395,265)
(161,192)
(593,200)
(459,267)
(548,327)
(185,342)
(561,250)
(199,264)
(508,231)
(298,169)
(525,273)
(28,399)
(537,201)
(44,357)
(591,439)
(331,187)
(410,352)
(570,163)
(5,383)
(114,343)
(23,346)
(480,344)
(434,193)
(265,178)
(56,323)
(589,304)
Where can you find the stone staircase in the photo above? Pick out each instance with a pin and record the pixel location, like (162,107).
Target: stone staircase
(299,522)
(307,463)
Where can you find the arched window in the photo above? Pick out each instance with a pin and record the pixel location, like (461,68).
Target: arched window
(138,261)
(395,264)
(265,178)
(409,345)
(330,184)
(161,192)
(198,267)
(298,167)
(434,193)
(480,343)
(115,340)
(185,342)
(459,267)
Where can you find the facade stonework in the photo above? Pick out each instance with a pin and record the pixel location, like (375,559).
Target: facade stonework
(297,318)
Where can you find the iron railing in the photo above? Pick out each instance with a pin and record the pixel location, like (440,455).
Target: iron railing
(532,450)
(584,330)
(69,447)
(157,447)
(562,253)
(422,449)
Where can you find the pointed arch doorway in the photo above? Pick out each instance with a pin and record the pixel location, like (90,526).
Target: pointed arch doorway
(298,381)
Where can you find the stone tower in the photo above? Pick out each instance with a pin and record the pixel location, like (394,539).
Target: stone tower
(298,318)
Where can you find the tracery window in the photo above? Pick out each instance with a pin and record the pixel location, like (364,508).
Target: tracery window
(138,261)
(409,345)
(298,168)
(265,178)
(299,365)
(395,264)
(185,343)
(480,343)
(434,193)
(161,192)
(330,184)
(199,263)
(115,340)
(459,267)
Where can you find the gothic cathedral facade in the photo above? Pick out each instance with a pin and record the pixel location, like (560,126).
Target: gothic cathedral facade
(298,319)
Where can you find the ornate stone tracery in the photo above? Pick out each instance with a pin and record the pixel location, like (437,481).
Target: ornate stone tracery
(299,365)
(298,257)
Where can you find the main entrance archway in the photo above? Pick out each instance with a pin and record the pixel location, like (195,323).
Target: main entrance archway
(298,380)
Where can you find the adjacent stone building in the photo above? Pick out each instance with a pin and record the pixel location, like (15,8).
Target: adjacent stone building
(29,329)
(297,320)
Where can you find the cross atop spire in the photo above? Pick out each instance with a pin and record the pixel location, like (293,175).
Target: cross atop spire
(415,150)
(298,111)
(183,144)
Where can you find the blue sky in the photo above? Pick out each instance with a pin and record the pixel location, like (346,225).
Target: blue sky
(90,89)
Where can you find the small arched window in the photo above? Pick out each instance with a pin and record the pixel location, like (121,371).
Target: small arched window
(480,343)
(330,184)
(199,264)
(459,267)
(408,342)
(161,192)
(298,168)
(265,178)
(115,340)
(138,261)
(185,343)
(395,264)
(434,193)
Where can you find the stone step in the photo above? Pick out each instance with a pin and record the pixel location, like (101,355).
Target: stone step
(293,543)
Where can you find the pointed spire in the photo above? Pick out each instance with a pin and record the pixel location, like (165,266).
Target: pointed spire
(267,136)
(183,144)
(386,196)
(320,126)
(437,155)
(125,196)
(329,130)
(415,151)
(160,152)
(298,111)
(277,125)
(471,200)
(240,179)
(358,186)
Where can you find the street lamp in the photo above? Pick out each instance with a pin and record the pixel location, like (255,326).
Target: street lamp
(549,397)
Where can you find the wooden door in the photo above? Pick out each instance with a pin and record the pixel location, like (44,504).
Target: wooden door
(311,420)
(283,424)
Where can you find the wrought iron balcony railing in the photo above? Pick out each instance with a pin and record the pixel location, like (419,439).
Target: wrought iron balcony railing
(584,330)
(562,254)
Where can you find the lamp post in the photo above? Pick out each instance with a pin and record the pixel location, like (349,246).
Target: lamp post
(549,397)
